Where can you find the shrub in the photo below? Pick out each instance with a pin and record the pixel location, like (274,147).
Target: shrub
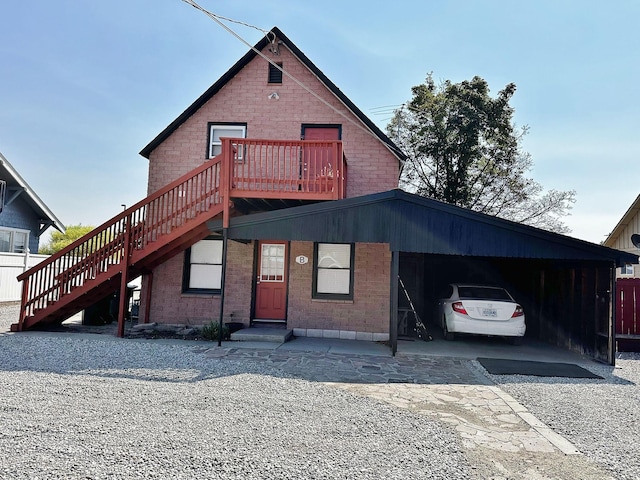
(210,331)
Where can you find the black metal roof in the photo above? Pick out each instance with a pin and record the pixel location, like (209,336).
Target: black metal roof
(410,223)
(240,64)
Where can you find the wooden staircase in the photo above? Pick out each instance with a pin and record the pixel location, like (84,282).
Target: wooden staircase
(132,243)
(174,218)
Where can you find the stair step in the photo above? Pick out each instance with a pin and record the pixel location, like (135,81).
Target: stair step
(257,334)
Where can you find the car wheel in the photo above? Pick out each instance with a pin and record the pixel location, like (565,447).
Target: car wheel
(447,334)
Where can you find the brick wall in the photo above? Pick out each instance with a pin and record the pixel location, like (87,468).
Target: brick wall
(170,305)
(367,313)
(244,99)
(370,307)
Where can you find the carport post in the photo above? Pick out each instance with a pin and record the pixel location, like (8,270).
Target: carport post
(393,326)
(225,237)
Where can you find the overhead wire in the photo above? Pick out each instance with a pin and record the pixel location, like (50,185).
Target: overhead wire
(218,19)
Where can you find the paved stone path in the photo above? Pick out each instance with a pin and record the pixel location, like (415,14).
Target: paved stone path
(452,390)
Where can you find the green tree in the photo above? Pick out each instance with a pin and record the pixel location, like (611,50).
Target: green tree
(60,240)
(465,149)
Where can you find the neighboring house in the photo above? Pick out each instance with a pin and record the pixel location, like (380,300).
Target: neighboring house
(620,239)
(628,279)
(23,220)
(23,216)
(245,222)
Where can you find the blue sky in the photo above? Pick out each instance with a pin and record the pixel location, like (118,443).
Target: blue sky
(84,86)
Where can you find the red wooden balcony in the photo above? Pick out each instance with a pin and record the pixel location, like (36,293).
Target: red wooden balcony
(174,218)
(298,169)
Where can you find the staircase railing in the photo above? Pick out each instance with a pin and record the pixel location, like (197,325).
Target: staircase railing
(108,248)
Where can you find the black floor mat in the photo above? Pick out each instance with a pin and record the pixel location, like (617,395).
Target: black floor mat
(501,366)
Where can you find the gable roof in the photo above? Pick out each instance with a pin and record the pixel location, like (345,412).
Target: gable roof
(410,223)
(13,179)
(240,64)
(626,219)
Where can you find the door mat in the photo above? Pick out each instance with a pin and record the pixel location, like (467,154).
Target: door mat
(500,366)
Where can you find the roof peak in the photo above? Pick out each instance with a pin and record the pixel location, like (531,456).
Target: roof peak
(240,64)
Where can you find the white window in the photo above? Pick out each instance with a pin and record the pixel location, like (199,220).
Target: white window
(272,262)
(203,267)
(14,241)
(218,131)
(333,272)
(627,269)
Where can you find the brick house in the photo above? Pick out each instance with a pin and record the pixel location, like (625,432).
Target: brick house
(273,198)
(255,100)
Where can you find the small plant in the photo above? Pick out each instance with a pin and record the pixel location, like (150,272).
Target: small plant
(211,329)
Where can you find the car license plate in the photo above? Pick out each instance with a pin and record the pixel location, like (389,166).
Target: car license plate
(489,312)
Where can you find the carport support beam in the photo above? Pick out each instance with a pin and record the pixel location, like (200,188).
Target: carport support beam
(225,239)
(393,327)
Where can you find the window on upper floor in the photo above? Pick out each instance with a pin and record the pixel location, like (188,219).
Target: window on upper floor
(14,240)
(275,74)
(203,267)
(220,130)
(333,266)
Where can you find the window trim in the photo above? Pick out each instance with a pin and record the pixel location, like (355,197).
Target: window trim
(333,296)
(623,269)
(186,271)
(12,232)
(211,126)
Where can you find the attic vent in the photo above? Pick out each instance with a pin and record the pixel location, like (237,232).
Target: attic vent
(3,189)
(275,75)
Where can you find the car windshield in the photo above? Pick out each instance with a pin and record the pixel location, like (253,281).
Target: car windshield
(484,293)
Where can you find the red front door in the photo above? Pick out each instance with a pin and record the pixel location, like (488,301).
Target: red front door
(318,162)
(271,285)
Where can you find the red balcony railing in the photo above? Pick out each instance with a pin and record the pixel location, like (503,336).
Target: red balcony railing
(288,169)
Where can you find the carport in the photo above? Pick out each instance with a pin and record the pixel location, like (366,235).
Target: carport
(565,285)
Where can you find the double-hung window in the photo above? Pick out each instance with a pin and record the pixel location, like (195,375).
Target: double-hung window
(203,267)
(333,270)
(220,130)
(14,241)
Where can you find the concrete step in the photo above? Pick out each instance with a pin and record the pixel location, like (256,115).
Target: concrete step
(264,334)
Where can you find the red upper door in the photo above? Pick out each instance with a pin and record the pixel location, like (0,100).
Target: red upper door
(318,162)
(271,285)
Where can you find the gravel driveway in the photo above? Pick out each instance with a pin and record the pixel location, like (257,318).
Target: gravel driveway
(73,407)
(100,407)
(600,417)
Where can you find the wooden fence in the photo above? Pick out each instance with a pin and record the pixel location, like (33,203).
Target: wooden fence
(628,314)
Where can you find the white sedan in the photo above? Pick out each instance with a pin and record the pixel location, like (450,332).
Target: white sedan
(481,310)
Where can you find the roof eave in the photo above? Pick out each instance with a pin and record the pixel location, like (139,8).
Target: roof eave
(36,203)
(624,221)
